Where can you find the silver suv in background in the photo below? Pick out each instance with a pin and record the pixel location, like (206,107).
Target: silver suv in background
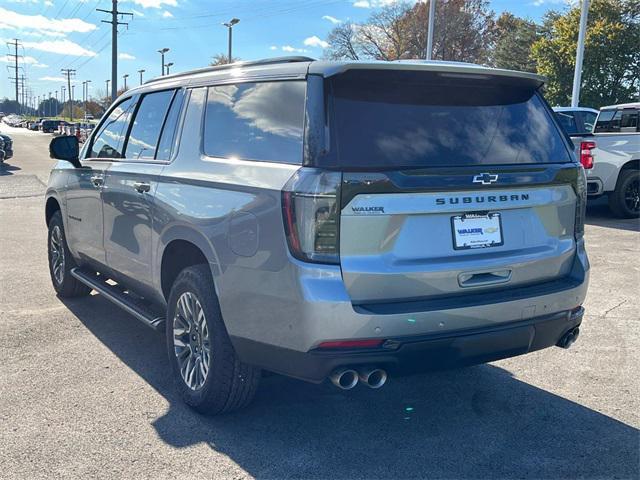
(326,220)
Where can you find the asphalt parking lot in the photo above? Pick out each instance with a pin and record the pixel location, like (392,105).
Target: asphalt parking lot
(85,390)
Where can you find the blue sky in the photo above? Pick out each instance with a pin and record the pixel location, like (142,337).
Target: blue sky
(69,34)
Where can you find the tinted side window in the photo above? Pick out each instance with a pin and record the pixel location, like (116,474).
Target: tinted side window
(109,140)
(629,121)
(147,124)
(567,121)
(256,121)
(589,119)
(169,130)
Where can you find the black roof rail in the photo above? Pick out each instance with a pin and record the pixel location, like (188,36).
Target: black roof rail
(250,63)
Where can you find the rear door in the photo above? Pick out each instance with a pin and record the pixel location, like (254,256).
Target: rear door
(450,186)
(130,185)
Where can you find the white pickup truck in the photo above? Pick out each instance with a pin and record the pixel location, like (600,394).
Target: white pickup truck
(611,157)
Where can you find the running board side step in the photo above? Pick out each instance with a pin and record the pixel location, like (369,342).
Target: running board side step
(124,300)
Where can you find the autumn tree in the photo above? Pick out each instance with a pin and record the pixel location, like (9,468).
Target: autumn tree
(222,59)
(611,68)
(463,32)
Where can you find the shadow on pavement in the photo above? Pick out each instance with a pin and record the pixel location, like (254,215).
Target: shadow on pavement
(6,169)
(598,214)
(477,422)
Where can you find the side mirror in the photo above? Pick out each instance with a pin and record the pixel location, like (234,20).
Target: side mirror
(66,148)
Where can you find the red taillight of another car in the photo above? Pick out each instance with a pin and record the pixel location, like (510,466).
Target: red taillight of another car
(586,155)
(311,214)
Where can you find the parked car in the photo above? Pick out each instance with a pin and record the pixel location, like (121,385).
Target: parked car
(326,220)
(611,157)
(49,126)
(7,146)
(576,120)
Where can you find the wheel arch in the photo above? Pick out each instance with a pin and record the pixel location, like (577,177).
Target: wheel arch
(51,207)
(182,248)
(631,165)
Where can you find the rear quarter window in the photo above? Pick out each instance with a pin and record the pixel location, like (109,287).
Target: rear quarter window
(256,121)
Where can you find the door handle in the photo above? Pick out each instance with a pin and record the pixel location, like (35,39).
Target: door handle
(97,181)
(142,187)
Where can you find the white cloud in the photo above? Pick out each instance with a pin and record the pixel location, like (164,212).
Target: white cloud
(48,3)
(273,47)
(54,79)
(62,47)
(376,3)
(25,61)
(137,13)
(331,19)
(315,42)
(126,56)
(290,49)
(43,24)
(539,3)
(167,14)
(155,3)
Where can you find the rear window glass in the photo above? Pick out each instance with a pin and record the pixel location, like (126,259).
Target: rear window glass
(428,120)
(567,121)
(256,121)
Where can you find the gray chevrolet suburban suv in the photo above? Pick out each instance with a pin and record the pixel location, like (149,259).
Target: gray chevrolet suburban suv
(326,220)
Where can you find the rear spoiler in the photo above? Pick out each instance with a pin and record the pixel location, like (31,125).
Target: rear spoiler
(329,69)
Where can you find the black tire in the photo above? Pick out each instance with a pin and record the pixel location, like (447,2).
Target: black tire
(228,383)
(65,284)
(625,200)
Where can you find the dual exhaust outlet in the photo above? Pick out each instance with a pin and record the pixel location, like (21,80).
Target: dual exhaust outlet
(347,378)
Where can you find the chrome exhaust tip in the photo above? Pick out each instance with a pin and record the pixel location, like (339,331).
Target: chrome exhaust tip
(344,378)
(373,377)
(569,338)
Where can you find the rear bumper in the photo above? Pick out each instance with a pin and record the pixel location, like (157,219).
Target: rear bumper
(281,332)
(420,353)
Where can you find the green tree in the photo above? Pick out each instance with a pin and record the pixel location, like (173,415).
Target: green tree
(611,68)
(514,38)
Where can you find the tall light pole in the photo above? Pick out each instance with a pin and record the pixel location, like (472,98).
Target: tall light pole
(170,64)
(432,17)
(49,106)
(107,83)
(85,94)
(125,76)
(141,72)
(577,74)
(230,25)
(162,51)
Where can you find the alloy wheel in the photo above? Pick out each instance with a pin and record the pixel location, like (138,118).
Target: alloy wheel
(57,254)
(632,196)
(191,342)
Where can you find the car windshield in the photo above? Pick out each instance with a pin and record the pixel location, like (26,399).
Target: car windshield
(427,120)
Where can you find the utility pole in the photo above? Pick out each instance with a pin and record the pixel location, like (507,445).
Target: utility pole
(15,44)
(230,25)
(141,72)
(125,76)
(577,74)
(114,43)
(432,18)
(22,86)
(86,97)
(57,104)
(69,72)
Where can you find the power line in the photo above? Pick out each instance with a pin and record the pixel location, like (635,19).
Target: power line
(114,43)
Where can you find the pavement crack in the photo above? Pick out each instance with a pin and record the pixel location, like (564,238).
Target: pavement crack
(613,308)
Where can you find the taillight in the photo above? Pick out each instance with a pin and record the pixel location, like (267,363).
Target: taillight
(311,215)
(581,204)
(586,157)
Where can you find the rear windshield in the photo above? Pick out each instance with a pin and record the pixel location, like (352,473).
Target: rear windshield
(404,119)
